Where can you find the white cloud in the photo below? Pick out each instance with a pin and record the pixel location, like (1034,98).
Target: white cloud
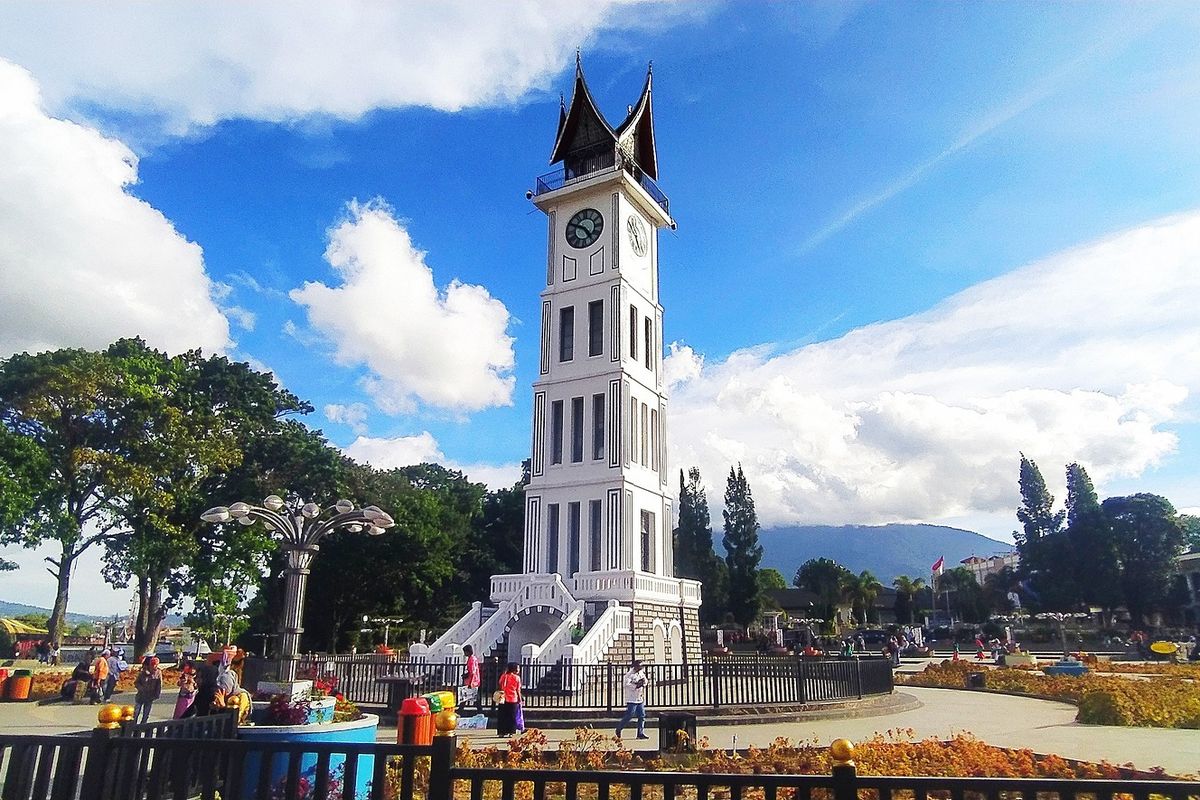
(1088,355)
(198,63)
(353,415)
(244,317)
(446,349)
(82,261)
(404,451)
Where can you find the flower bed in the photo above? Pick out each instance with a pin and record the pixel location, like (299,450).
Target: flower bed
(1160,702)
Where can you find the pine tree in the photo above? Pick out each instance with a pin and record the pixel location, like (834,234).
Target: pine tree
(694,554)
(1041,555)
(1096,564)
(742,550)
(1037,514)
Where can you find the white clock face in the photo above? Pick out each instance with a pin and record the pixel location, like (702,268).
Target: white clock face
(639,237)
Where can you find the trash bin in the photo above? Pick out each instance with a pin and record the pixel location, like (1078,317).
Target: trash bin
(677,732)
(18,685)
(3,679)
(434,701)
(976,680)
(415,724)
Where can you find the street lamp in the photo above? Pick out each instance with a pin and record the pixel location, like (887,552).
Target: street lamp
(228,619)
(1061,618)
(299,526)
(386,622)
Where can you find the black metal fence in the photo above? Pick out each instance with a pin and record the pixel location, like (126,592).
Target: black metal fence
(104,766)
(714,682)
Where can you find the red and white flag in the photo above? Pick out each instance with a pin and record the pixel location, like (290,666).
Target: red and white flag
(936,569)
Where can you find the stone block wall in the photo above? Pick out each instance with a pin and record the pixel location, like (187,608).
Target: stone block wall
(644,617)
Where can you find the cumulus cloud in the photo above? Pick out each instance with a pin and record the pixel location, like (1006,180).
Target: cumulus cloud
(1088,355)
(198,63)
(83,261)
(353,415)
(404,451)
(421,345)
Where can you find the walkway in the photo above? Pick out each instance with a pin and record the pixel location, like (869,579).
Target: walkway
(1040,725)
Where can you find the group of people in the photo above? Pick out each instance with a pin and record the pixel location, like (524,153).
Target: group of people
(510,717)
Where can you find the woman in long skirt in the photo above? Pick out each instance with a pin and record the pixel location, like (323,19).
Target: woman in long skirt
(187,690)
(506,714)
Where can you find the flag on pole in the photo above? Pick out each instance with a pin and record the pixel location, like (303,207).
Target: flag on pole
(936,569)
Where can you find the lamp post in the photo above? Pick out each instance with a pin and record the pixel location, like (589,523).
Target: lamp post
(1061,619)
(228,619)
(299,526)
(386,622)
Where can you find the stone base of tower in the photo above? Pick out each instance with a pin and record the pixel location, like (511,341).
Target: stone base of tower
(661,634)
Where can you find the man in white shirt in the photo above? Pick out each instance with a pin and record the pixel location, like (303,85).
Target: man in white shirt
(635,700)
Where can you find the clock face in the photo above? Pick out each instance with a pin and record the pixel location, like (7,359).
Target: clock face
(639,238)
(584,228)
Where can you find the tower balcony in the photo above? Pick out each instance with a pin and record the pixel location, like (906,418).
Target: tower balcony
(595,163)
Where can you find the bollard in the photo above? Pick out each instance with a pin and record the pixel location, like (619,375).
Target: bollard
(845,774)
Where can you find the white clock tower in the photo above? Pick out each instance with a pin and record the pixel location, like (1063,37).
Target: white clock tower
(598,573)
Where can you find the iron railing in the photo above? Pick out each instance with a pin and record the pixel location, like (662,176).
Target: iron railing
(595,163)
(104,766)
(712,682)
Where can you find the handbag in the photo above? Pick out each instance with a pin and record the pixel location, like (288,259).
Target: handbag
(519,717)
(497,697)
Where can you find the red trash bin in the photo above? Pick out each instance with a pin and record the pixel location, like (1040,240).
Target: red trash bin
(414,724)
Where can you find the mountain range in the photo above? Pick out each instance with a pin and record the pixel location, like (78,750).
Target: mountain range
(886,550)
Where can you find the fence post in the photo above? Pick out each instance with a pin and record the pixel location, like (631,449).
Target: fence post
(608,683)
(858,677)
(100,764)
(716,683)
(845,774)
(441,786)
(801,688)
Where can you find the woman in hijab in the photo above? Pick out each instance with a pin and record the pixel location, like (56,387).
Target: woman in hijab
(187,689)
(149,688)
(206,692)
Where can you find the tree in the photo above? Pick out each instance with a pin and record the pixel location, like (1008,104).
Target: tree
(1037,515)
(907,590)
(1045,560)
(966,595)
(742,550)
(81,416)
(862,589)
(828,580)
(6,565)
(1191,531)
(1148,539)
(1093,551)
(695,557)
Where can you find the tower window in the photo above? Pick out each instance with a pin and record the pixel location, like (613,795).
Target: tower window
(647,541)
(649,344)
(598,426)
(573,538)
(596,328)
(633,337)
(645,432)
(556,432)
(633,437)
(552,537)
(594,522)
(654,439)
(566,333)
(576,430)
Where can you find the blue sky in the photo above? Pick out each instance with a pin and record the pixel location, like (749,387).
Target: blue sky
(914,239)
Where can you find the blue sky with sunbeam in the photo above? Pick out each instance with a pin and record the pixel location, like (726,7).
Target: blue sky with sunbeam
(914,239)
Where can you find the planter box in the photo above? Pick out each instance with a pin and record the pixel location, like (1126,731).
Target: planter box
(1074,668)
(363,730)
(1020,660)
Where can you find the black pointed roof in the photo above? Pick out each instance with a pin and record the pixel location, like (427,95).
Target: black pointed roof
(581,126)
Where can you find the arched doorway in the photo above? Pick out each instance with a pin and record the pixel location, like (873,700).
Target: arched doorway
(659,637)
(675,651)
(532,627)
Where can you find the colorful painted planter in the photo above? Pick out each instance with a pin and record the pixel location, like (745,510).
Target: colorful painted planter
(362,730)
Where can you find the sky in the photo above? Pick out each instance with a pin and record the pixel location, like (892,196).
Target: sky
(914,240)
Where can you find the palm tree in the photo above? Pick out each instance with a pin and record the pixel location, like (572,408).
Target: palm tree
(862,589)
(907,590)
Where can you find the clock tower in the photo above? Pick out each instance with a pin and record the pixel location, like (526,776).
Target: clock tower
(597,581)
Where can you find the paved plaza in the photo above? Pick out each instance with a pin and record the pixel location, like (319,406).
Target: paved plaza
(1040,725)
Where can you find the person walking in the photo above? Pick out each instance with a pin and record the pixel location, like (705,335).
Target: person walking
(187,690)
(99,677)
(471,680)
(635,700)
(510,689)
(114,674)
(148,686)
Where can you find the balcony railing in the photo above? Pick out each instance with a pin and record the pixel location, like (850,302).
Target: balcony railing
(594,164)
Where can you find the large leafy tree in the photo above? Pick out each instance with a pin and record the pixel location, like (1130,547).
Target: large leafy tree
(1093,548)
(695,557)
(1148,539)
(83,417)
(862,589)
(907,590)
(966,595)
(743,553)
(828,580)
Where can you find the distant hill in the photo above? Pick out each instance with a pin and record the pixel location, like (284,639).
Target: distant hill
(886,550)
(10,610)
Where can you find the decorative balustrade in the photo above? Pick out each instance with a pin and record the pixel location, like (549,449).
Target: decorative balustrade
(615,621)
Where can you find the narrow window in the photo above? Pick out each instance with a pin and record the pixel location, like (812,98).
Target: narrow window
(654,439)
(576,430)
(594,522)
(552,537)
(633,418)
(597,427)
(566,333)
(596,328)
(647,539)
(556,432)
(573,537)
(633,337)
(649,354)
(645,428)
